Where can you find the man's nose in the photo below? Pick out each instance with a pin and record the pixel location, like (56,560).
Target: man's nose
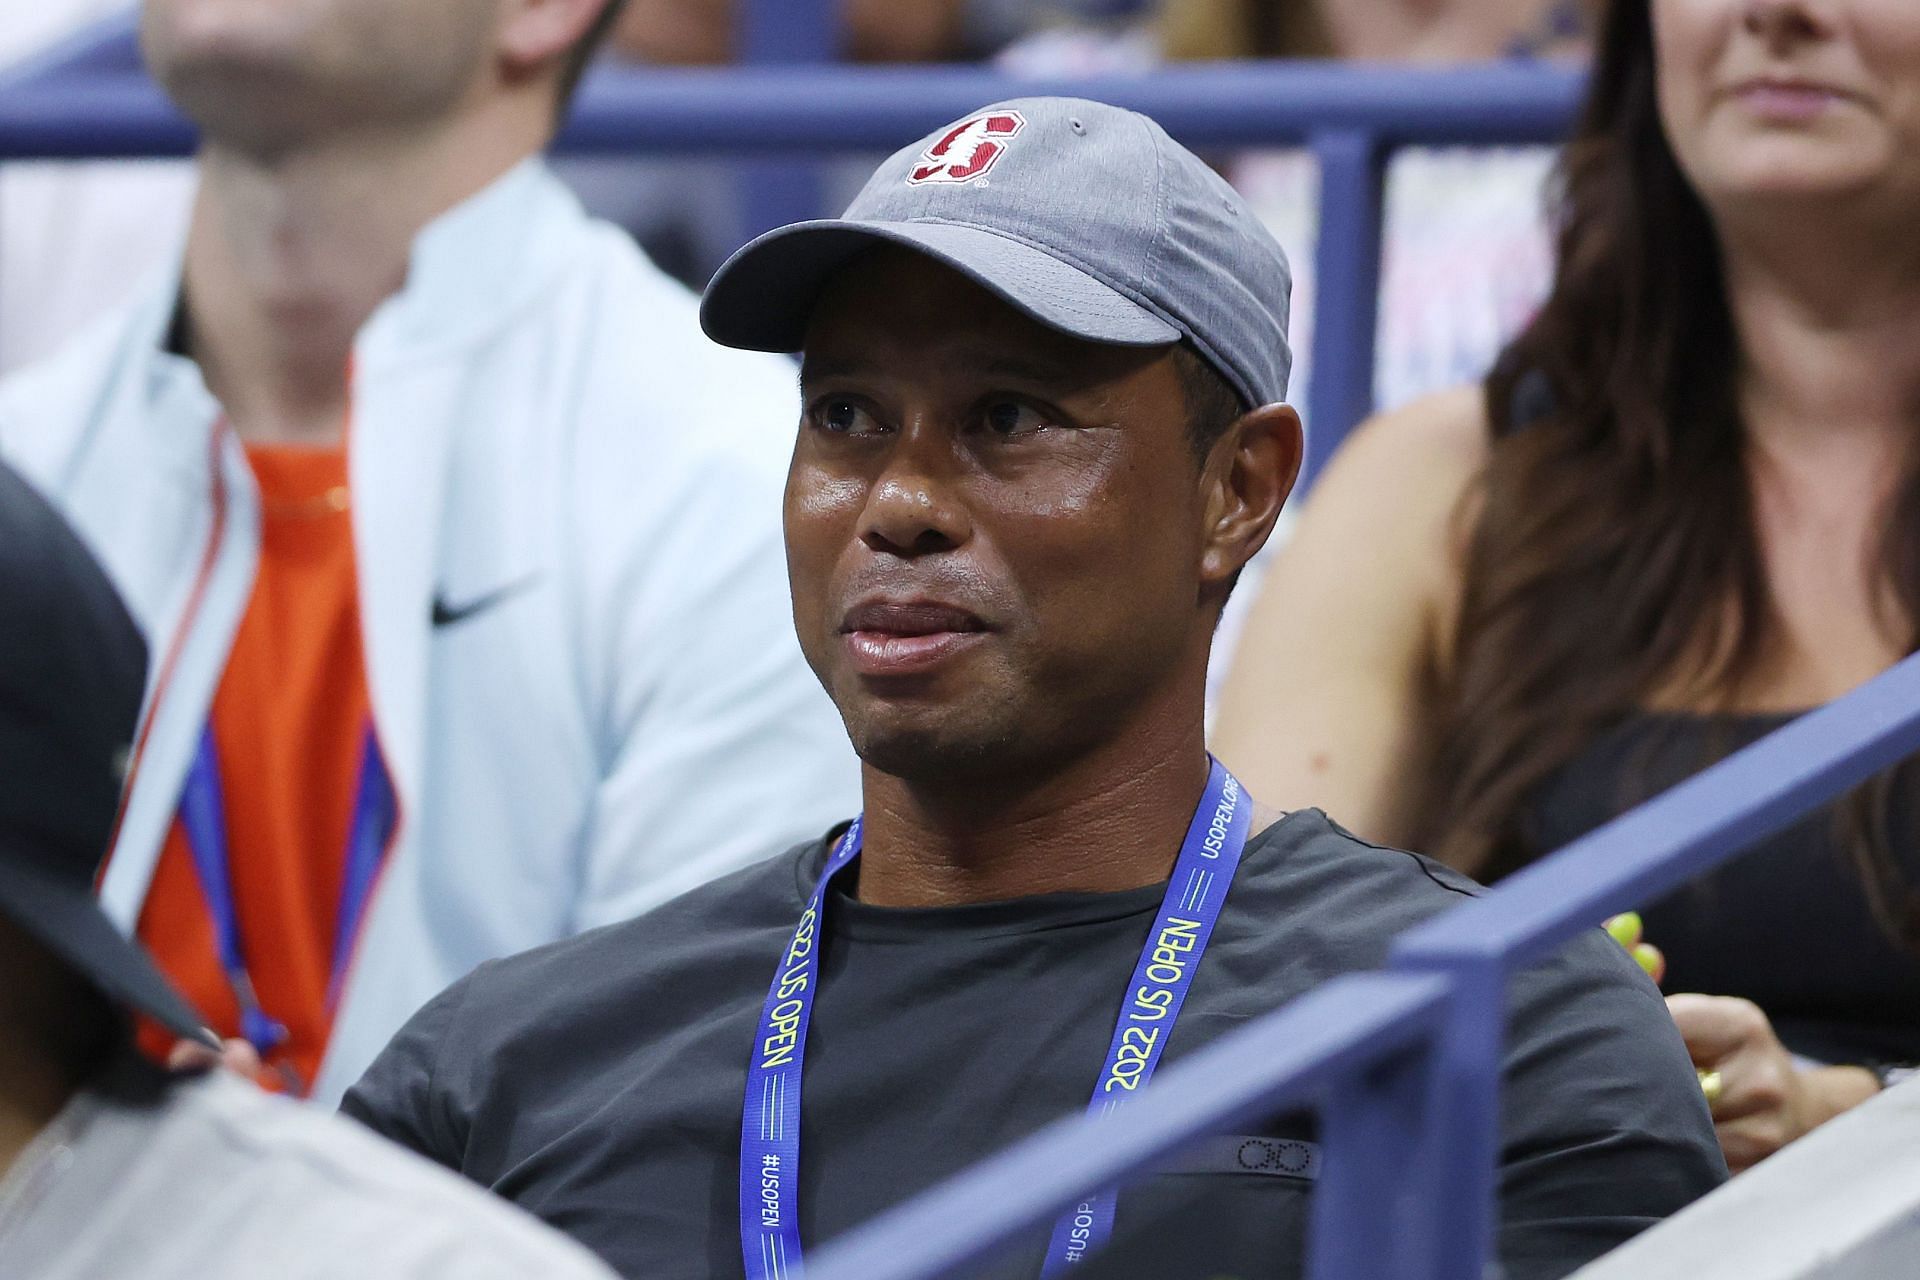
(914,507)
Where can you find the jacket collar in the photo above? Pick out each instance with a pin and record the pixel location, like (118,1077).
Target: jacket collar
(469,270)
(472,267)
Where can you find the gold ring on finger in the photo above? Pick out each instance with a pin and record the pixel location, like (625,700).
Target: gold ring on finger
(1711,1085)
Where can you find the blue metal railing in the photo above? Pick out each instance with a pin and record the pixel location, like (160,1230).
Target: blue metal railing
(109,46)
(1352,118)
(783,33)
(1342,1030)
(1402,1066)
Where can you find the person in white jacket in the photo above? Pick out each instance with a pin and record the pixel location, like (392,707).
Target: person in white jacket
(456,544)
(110,1168)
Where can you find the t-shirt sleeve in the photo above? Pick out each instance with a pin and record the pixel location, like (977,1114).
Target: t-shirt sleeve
(411,1093)
(1604,1128)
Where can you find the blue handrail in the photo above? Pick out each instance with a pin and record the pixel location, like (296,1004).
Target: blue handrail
(787,34)
(1288,1059)
(108,46)
(828,110)
(1687,831)
(1432,1129)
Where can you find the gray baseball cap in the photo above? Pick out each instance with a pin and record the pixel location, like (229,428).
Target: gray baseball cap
(1086,217)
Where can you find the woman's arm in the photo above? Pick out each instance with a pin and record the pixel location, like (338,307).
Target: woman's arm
(1325,702)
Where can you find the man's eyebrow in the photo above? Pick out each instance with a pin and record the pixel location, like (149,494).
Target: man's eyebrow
(1026,369)
(816,368)
(991,364)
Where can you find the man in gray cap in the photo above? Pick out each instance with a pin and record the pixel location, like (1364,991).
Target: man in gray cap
(1044,358)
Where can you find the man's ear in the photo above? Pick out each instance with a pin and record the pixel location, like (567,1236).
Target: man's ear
(535,36)
(1250,471)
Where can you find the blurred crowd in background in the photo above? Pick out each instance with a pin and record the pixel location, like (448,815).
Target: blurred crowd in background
(1467,256)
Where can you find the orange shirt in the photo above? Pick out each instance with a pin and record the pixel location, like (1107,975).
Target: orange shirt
(289,726)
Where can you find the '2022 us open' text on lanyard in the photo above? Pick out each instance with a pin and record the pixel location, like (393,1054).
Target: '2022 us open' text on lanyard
(770,1116)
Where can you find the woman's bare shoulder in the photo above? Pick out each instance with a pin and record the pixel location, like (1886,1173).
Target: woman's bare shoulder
(1353,616)
(1397,484)
(1435,444)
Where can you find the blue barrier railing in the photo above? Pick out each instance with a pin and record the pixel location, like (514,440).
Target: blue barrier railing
(1342,1030)
(108,46)
(784,33)
(1351,117)
(1403,1066)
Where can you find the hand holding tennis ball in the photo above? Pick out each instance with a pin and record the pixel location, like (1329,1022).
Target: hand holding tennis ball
(1626,929)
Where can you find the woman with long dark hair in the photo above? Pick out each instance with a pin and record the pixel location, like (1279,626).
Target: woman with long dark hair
(1684,507)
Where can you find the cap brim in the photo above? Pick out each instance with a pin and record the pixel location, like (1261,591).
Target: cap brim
(763,297)
(70,924)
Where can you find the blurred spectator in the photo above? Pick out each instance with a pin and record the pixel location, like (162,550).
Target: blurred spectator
(447,694)
(1680,511)
(108,1167)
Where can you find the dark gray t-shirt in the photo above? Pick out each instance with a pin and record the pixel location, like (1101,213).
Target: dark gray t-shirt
(598,1081)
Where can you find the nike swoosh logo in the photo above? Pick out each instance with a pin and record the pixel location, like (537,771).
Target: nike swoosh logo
(446,613)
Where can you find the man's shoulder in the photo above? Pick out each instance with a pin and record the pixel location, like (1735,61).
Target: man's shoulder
(316,1174)
(1348,899)
(696,933)
(1310,865)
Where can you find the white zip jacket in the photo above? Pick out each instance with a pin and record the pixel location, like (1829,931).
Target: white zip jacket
(566,517)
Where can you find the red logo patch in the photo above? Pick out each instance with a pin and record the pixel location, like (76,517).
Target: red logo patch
(967,150)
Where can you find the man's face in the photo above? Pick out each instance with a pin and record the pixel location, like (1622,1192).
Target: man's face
(995,532)
(269,73)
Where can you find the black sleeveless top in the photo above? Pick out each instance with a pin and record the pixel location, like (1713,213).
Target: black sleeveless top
(1786,925)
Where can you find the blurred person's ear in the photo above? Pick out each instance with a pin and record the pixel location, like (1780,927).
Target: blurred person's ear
(534,37)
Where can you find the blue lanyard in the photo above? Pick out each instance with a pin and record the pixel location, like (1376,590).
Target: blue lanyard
(770,1116)
(203,814)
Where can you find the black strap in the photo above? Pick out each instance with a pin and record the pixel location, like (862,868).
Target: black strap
(1532,401)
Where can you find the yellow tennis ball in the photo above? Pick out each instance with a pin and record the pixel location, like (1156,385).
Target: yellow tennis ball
(1625,929)
(1648,957)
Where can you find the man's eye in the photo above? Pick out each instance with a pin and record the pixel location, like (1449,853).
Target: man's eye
(1011,418)
(842,416)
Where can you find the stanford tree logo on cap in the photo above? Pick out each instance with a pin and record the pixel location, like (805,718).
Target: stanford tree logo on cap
(967,150)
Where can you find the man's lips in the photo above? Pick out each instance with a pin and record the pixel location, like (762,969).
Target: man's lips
(907,637)
(918,617)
